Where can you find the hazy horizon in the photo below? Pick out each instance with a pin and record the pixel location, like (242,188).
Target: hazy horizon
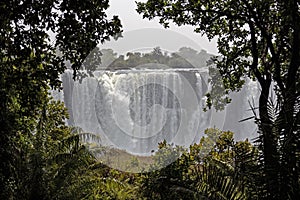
(170,39)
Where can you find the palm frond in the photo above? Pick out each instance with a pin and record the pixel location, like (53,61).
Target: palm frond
(215,181)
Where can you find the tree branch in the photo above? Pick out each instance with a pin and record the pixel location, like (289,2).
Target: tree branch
(254,52)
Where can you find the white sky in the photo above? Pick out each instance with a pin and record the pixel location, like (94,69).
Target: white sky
(131,21)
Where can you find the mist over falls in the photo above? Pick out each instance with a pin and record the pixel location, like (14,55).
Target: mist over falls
(134,110)
(136,101)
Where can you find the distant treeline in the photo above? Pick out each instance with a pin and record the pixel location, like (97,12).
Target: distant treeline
(186,57)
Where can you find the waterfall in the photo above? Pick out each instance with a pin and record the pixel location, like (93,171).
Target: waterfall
(134,110)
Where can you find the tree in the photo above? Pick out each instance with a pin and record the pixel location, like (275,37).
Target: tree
(108,56)
(54,161)
(197,59)
(211,169)
(259,40)
(30,64)
(185,58)
(56,164)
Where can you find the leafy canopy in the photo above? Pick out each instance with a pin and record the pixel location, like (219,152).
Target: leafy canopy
(37,38)
(258,40)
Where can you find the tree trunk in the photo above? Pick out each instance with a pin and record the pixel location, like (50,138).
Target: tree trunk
(289,174)
(269,144)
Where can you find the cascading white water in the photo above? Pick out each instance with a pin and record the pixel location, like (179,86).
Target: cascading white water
(136,109)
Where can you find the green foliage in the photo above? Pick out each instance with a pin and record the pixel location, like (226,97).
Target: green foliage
(29,65)
(166,179)
(216,168)
(50,158)
(107,57)
(257,40)
(197,59)
(54,164)
(184,58)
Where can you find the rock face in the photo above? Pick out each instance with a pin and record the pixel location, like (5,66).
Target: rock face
(136,109)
